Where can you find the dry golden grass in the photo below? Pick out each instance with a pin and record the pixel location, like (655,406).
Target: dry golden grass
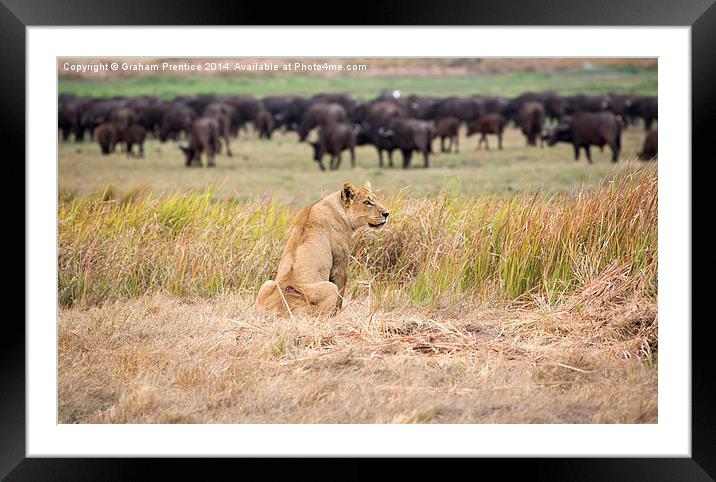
(163,359)
(490,309)
(434,252)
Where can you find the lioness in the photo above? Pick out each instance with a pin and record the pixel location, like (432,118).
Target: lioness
(313,269)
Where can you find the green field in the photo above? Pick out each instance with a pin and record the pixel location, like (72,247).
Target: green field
(283,168)
(596,81)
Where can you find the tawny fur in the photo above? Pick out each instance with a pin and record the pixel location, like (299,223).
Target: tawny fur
(313,270)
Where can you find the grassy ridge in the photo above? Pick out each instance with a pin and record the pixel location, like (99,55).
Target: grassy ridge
(435,251)
(597,81)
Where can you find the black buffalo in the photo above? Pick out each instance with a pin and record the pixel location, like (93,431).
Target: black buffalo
(133,135)
(553,104)
(333,139)
(488,124)
(530,119)
(448,128)
(204,137)
(320,115)
(373,120)
(645,108)
(651,147)
(68,117)
(465,109)
(587,103)
(223,113)
(107,135)
(177,118)
(408,135)
(264,123)
(585,129)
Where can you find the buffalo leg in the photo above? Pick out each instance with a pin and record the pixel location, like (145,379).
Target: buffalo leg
(210,161)
(320,164)
(426,159)
(457,143)
(499,140)
(487,144)
(589,154)
(380,157)
(407,155)
(576,152)
(390,158)
(442,143)
(353,157)
(615,152)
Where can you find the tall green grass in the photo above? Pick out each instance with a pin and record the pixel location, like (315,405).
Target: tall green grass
(435,250)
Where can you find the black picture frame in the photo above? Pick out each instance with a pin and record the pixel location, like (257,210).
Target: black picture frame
(700,15)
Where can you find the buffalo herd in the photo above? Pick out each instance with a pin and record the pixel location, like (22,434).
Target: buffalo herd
(202,123)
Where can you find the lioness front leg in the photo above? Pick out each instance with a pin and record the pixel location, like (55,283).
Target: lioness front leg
(340,278)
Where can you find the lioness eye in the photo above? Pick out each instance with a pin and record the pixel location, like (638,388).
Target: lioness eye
(367,203)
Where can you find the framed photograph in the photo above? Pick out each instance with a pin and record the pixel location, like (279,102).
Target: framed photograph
(456,236)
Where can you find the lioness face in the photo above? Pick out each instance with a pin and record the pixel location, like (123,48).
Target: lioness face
(363,206)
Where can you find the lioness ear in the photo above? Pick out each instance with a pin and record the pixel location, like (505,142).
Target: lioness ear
(348,193)
(367,186)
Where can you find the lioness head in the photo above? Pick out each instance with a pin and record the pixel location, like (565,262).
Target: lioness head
(363,207)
